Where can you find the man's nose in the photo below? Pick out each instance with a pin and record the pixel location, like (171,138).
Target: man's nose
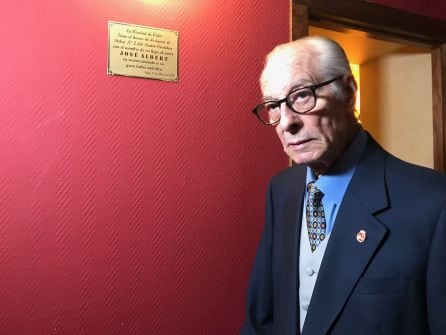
(289,120)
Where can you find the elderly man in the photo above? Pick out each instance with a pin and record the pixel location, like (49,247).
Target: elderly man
(355,239)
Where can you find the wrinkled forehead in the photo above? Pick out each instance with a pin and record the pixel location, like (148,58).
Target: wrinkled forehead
(285,68)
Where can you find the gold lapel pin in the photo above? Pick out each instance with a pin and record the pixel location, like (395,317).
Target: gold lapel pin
(361,236)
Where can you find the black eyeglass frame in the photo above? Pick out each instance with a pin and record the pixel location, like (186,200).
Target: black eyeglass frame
(313,88)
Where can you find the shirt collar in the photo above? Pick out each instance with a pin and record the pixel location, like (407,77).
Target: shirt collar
(335,182)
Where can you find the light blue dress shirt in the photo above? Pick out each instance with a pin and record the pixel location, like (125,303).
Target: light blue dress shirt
(334,184)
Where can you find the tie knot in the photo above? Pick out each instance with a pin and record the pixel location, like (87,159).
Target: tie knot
(314,192)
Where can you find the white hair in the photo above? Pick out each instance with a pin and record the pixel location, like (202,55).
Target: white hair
(321,54)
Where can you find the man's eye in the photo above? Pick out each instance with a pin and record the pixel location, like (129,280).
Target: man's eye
(301,95)
(272,107)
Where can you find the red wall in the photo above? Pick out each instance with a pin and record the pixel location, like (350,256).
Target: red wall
(131,206)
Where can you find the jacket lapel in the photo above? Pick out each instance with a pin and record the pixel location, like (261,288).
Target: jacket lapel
(345,258)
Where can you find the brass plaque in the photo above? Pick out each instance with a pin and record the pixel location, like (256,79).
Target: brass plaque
(145,52)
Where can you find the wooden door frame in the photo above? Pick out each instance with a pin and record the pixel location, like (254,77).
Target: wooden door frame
(391,24)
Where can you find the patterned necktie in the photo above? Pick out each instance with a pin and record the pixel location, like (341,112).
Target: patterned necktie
(315,216)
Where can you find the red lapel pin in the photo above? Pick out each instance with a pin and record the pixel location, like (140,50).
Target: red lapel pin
(361,236)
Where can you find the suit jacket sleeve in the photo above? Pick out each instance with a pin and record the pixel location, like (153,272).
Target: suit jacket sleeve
(259,310)
(436,279)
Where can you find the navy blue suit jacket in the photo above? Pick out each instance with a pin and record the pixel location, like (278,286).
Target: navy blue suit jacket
(393,283)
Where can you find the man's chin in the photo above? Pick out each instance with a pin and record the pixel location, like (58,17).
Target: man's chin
(305,158)
(315,163)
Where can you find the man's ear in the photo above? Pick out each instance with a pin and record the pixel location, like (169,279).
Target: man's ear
(350,89)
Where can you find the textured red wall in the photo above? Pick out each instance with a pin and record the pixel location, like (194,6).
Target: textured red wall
(432,8)
(131,206)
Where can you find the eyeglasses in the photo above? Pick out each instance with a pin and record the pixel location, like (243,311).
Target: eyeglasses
(300,100)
